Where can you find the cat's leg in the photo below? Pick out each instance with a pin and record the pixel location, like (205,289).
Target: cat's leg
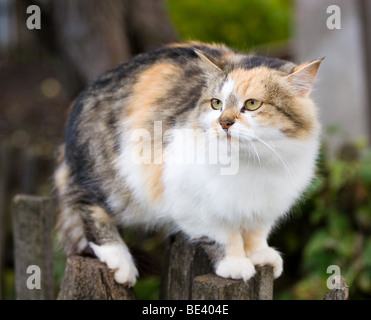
(233,263)
(104,239)
(257,249)
(85,228)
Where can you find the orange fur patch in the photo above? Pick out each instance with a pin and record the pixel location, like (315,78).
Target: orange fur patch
(151,85)
(61,177)
(246,81)
(154,173)
(254,240)
(100,215)
(234,247)
(228,55)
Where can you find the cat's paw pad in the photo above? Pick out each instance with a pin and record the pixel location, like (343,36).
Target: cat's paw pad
(268,256)
(235,268)
(117,257)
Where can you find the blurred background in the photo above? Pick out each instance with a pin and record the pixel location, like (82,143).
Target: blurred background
(42,71)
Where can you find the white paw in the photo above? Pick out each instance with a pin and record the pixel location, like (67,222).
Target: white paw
(235,268)
(268,256)
(118,258)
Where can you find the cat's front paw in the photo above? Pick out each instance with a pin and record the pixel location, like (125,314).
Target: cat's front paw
(118,258)
(235,268)
(268,256)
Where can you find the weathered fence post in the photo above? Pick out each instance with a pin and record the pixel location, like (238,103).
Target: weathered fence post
(187,275)
(4,173)
(339,293)
(212,287)
(183,262)
(33,223)
(87,278)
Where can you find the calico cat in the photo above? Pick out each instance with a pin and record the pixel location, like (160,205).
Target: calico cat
(194,138)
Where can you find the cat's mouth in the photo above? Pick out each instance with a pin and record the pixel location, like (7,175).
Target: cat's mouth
(231,135)
(228,134)
(237,135)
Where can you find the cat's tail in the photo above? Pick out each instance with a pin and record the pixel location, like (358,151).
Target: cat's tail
(70,227)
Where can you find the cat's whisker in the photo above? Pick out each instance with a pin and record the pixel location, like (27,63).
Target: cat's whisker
(249,137)
(251,143)
(282,160)
(271,144)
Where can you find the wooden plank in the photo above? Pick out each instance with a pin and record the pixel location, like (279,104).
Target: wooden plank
(187,274)
(184,261)
(87,278)
(213,287)
(342,293)
(33,223)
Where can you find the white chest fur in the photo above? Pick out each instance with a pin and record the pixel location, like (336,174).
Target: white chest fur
(198,199)
(202,201)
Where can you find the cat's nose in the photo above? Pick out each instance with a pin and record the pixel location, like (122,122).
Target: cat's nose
(226,124)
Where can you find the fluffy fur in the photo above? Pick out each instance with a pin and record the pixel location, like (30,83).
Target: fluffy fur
(145,146)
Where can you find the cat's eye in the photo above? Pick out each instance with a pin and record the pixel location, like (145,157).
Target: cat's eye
(216,104)
(252,104)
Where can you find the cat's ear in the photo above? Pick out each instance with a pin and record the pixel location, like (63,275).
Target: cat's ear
(207,63)
(302,76)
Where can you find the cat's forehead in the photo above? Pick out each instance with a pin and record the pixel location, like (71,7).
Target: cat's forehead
(256,73)
(243,82)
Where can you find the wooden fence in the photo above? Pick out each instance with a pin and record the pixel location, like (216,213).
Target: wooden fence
(186,274)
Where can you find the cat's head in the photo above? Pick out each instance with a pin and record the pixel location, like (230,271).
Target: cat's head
(261,101)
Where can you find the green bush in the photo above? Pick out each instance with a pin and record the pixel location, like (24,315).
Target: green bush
(240,24)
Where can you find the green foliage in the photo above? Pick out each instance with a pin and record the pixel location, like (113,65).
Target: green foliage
(240,24)
(147,288)
(337,214)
